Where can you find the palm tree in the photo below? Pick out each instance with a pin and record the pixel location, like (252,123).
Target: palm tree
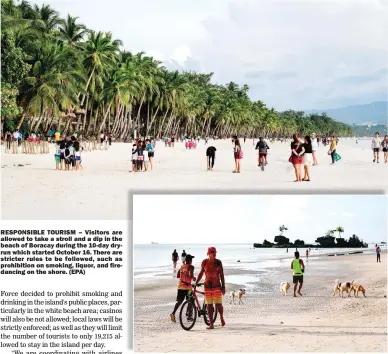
(71,32)
(340,230)
(282,228)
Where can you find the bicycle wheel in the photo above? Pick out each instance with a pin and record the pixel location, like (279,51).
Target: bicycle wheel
(188,315)
(206,316)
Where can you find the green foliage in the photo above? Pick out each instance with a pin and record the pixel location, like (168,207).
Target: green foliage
(9,107)
(299,242)
(68,74)
(281,240)
(13,67)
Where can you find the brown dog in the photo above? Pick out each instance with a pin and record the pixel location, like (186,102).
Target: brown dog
(356,288)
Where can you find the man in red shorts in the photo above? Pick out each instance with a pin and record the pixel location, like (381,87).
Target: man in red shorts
(214,285)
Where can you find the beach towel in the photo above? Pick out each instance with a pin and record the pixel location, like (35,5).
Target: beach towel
(337,157)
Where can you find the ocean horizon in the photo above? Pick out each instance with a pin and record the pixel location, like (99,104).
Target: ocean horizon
(155,260)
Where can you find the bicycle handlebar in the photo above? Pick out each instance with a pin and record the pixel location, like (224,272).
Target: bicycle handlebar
(193,285)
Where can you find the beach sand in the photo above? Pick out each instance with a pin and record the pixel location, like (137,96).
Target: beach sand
(101,191)
(269,322)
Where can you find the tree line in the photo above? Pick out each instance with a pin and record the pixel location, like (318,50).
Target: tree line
(58,74)
(326,241)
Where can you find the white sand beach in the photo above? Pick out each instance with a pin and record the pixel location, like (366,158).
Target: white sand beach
(269,322)
(101,190)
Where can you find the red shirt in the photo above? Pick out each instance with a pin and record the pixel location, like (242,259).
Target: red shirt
(213,269)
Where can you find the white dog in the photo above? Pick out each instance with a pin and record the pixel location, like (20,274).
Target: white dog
(237,294)
(341,287)
(284,286)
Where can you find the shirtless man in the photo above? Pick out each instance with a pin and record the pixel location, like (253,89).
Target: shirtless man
(214,285)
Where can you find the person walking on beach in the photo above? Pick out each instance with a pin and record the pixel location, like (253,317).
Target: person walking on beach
(237,156)
(183,256)
(332,149)
(376,146)
(378,251)
(314,144)
(384,146)
(175,258)
(214,285)
(185,275)
(297,267)
(296,158)
(307,157)
(210,156)
(307,255)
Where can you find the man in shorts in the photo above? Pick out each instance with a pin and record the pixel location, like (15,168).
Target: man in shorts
(297,267)
(185,275)
(262,146)
(214,285)
(376,146)
(210,156)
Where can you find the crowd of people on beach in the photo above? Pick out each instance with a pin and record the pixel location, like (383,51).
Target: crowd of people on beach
(143,152)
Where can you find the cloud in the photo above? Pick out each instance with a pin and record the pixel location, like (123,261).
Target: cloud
(347,214)
(263,74)
(293,54)
(363,79)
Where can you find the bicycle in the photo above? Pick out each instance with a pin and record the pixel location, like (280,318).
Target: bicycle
(191,308)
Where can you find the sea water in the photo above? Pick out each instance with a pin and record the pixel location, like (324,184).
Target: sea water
(155,260)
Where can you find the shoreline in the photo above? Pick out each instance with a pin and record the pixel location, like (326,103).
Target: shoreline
(269,322)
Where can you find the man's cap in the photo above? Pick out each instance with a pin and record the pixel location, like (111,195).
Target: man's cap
(189,256)
(211,250)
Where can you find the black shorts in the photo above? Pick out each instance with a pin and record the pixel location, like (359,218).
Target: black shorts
(151,154)
(385,149)
(182,295)
(376,149)
(297,279)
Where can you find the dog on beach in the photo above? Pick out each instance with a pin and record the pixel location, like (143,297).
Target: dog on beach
(357,288)
(341,287)
(237,294)
(284,286)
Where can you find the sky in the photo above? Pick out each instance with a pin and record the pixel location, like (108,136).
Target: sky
(215,219)
(293,54)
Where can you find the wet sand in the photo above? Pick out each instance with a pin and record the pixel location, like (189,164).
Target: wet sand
(269,322)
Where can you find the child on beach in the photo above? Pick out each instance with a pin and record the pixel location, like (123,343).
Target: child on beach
(150,151)
(67,155)
(57,155)
(134,157)
(77,156)
(185,275)
(140,157)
